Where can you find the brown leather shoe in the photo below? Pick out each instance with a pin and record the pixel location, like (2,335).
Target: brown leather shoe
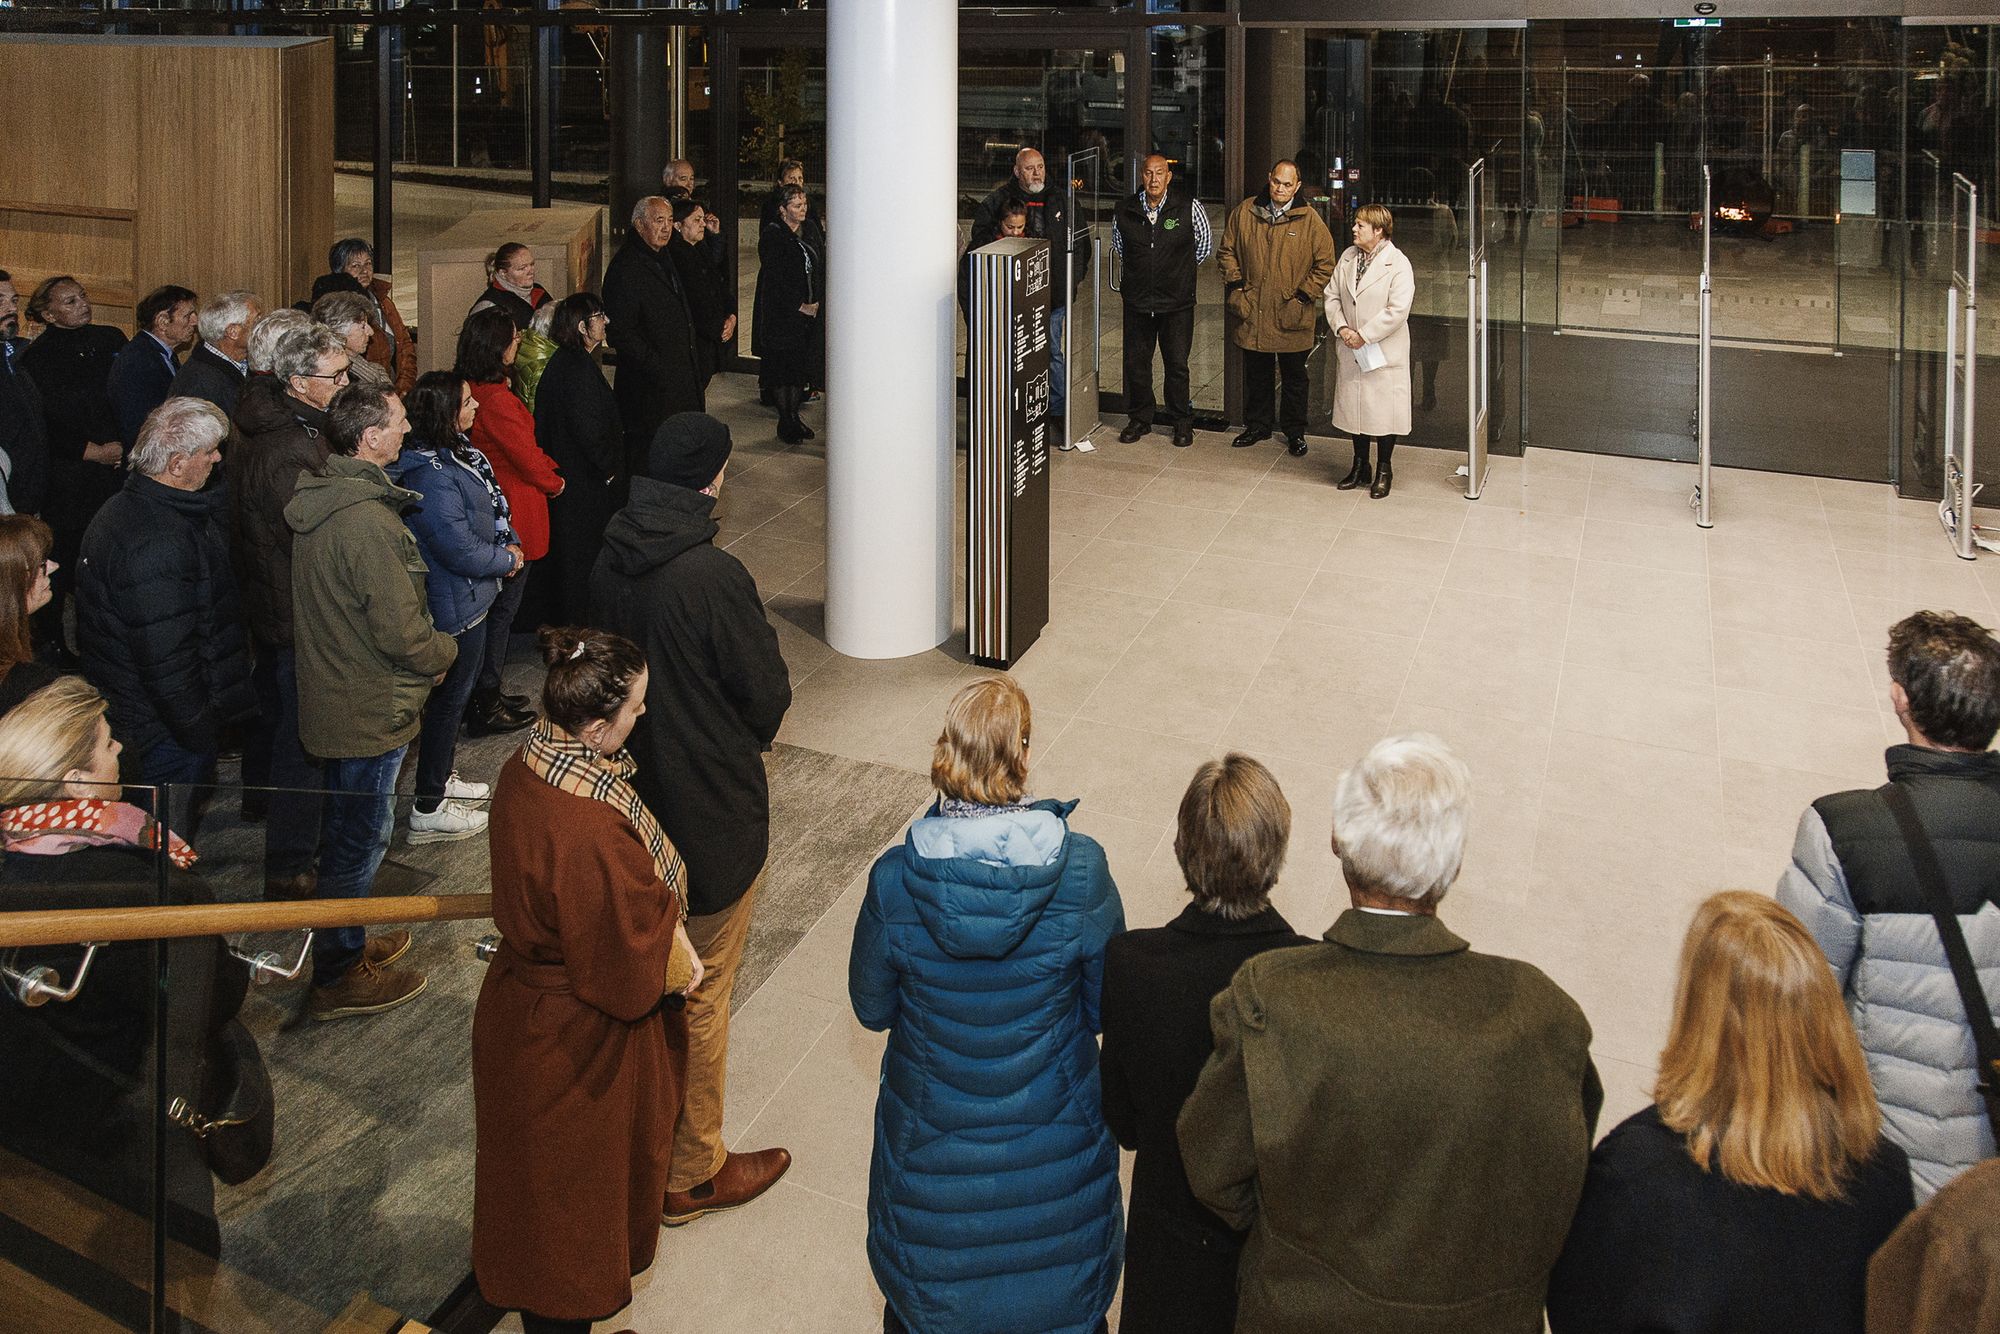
(365,990)
(744,1176)
(283,889)
(385,948)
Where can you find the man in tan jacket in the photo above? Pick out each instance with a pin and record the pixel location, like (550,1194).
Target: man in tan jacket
(1276,258)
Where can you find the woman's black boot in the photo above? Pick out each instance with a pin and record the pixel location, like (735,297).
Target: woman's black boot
(1382,474)
(790,429)
(1359,474)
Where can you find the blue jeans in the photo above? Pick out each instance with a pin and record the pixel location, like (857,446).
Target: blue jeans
(292,815)
(1058,365)
(188,779)
(360,814)
(499,624)
(437,743)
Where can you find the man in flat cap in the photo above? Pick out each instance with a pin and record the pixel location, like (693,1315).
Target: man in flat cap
(717,690)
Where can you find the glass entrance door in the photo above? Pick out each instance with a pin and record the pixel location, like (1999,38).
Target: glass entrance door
(1789,120)
(1091,199)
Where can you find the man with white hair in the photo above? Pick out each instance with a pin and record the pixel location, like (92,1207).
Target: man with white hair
(157,621)
(652,330)
(216,369)
(1423,1113)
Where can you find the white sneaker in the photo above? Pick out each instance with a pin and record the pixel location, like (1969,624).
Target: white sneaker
(449,821)
(461,789)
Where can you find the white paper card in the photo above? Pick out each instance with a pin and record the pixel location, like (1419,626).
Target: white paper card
(1370,357)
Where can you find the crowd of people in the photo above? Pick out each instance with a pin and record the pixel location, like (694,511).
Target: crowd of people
(293,544)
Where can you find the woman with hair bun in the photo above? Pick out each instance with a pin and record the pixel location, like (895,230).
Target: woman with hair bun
(510,285)
(1748,1198)
(578,1041)
(993,1195)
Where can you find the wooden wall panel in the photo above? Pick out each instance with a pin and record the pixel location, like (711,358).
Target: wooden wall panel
(72,127)
(225,180)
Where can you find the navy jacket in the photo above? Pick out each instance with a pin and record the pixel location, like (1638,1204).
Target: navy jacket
(993,1201)
(458,531)
(210,375)
(140,381)
(157,618)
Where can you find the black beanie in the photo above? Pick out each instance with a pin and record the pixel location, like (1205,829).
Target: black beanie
(688,450)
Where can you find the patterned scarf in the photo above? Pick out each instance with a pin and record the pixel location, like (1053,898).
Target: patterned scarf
(1361,266)
(476,461)
(957,808)
(566,764)
(51,828)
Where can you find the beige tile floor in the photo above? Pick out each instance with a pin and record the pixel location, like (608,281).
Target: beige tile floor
(1645,708)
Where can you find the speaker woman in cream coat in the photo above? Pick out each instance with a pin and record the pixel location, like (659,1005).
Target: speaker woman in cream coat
(1368,307)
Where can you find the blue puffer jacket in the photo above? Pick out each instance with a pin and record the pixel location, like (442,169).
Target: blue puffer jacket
(993,1202)
(458,532)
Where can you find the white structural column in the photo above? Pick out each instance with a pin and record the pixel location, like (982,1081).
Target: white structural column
(892,243)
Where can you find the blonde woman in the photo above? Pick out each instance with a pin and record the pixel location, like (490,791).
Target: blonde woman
(993,1198)
(1750,1195)
(1368,308)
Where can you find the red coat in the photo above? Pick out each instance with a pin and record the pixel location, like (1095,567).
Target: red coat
(504,431)
(576,1067)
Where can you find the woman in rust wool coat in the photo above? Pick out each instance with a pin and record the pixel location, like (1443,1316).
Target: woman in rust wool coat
(578,1041)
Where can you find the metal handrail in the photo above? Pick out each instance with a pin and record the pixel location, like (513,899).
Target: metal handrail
(77,926)
(41,984)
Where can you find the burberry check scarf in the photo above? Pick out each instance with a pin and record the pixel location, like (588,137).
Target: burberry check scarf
(567,765)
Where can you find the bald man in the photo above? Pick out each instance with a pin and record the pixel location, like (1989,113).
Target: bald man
(1046,206)
(1161,234)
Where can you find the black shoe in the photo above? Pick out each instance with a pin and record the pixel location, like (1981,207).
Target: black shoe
(518,703)
(489,715)
(1295,445)
(1358,475)
(1382,480)
(1133,430)
(1183,435)
(1254,435)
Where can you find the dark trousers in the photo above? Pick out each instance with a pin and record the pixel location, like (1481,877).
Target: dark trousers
(541,1324)
(499,626)
(437,742)
(360,816)
(292,814)
(1173,334)
(1262,372)
(1361,442)
(185,781)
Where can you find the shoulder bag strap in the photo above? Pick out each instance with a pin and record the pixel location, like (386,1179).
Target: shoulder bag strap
(1931,877)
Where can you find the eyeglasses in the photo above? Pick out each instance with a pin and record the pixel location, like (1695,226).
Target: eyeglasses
(338,377)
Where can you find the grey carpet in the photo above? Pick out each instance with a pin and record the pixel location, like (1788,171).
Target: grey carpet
(370,1187)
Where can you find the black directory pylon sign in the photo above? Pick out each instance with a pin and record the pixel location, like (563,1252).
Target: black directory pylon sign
(1007,469)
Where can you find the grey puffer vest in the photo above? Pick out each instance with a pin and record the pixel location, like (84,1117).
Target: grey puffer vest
(1852,882)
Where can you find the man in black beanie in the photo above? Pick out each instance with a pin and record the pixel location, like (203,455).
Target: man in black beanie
(716,691)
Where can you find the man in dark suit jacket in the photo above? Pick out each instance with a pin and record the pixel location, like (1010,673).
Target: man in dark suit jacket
(23,431)
(652,331)
(217,367)
(1423,1114)
(143,373)
(1180,1259)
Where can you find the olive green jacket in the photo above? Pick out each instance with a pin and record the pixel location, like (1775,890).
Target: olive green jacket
(1401,1124)
(367,650)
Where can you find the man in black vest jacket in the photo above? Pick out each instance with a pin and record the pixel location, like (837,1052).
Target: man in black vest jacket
(1161,235)
(651,330)
(1854,885)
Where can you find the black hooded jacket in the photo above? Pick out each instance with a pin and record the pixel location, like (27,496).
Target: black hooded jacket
(718,688)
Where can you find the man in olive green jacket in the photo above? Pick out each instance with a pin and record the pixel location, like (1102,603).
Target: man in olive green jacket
(368,656)
(1422,1113)
(1276,259)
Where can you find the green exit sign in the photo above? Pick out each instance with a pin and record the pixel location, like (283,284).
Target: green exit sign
(1697,23)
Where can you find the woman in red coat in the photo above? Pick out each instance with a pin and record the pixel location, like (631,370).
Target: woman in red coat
(578,1040)
(504,431)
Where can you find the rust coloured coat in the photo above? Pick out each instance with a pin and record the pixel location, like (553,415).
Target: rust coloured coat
(576,1066)
(394,351)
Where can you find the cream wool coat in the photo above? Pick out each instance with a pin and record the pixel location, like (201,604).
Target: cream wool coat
(1377,402)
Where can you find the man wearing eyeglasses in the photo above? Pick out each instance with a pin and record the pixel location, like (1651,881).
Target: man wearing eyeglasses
(281,421)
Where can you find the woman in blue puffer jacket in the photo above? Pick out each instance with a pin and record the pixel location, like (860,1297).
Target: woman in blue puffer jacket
(461,526)
(993,1201)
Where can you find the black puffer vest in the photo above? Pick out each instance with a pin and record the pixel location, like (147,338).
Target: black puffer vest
(1957,797)
(1158,256)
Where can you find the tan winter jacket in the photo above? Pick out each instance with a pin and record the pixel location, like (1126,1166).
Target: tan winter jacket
(1275,274)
